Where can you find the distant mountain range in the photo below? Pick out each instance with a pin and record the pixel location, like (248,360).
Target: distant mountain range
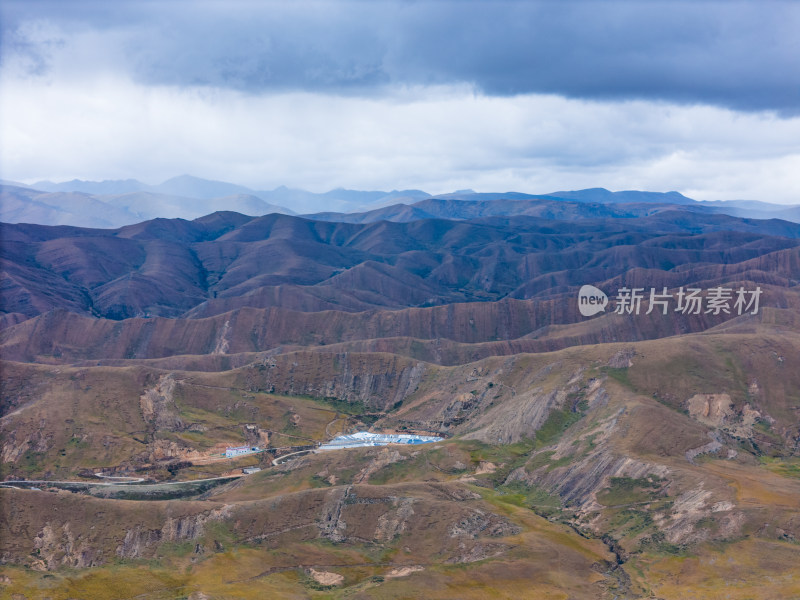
(629,439)
(28,205)
(116,203)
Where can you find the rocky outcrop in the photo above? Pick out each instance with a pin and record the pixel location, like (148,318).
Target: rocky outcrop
(719,412)
(139,542)
(16,444)
(393,523)
(679,524)
(331,524)
(622,359)
(713,446)
(325,578)
(56,547)
(223,343)
(158,405)
(579,482)
(479,523)
(710,409)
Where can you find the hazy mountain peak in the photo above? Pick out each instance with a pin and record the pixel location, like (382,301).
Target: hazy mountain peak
(105,187)
(604,196)
(195,187)
(128,201)
(7,182)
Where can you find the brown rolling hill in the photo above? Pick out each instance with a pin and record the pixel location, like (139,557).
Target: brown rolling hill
(625,460)
(454,333)
(634,456)
(226,261)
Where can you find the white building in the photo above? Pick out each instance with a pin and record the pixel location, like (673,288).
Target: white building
(239,450)
(365,438)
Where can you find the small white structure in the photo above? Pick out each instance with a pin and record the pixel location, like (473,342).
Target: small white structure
(251,470)
(240,450)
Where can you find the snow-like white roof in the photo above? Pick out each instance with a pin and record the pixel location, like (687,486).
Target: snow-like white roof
(365,438)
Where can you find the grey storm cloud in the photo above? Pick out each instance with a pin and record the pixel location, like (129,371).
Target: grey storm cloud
(740,55)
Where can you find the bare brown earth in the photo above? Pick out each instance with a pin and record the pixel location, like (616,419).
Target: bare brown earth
(215,264)
(615,457)
(450,334)
(593,437)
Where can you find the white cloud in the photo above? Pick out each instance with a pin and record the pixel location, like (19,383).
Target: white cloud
(434,138)
(322,95)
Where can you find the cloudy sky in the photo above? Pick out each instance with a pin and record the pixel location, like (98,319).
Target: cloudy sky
(699,97)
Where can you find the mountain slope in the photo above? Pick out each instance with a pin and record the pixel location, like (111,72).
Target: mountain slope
(223,262)
(626,461)
(628,454)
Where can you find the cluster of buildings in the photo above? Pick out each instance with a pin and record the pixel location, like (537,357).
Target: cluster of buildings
(240,450)
(365,438)
(352,440)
